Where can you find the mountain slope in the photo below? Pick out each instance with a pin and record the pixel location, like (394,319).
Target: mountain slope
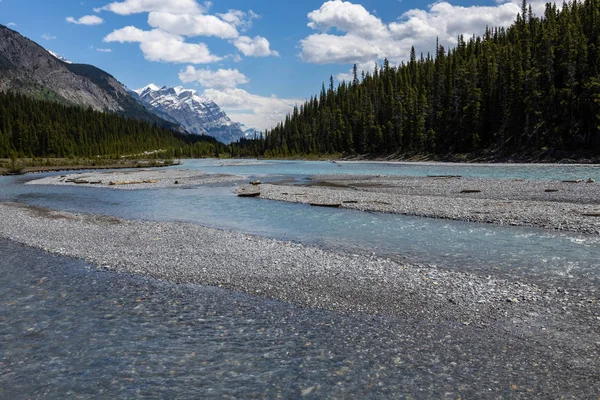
(41,128)
(197,114)
(28,68)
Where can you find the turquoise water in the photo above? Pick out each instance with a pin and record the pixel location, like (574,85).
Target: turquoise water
(303,168)
(544,257)
(68,331)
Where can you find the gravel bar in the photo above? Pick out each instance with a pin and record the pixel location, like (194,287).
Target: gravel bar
(555,205)
(566,322)
(138,179)
(189,253)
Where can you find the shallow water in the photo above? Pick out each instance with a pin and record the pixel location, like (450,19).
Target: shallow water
(548,258)
(307,168)
(70,331)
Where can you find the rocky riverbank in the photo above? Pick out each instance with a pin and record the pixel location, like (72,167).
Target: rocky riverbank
(138,179)
(557,205)
(189,253)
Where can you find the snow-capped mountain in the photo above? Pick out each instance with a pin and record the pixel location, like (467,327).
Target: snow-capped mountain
(195,113)
(58,56)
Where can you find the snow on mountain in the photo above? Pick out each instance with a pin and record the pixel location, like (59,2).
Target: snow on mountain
(250,133)
(195,113)
(58,56)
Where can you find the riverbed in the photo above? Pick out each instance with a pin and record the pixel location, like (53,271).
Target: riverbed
(202,293)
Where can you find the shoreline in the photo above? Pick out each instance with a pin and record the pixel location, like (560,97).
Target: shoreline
(133,164)
(128,164)
(182,252)
(551,205)
(571,206)
(555,322)
(138,179)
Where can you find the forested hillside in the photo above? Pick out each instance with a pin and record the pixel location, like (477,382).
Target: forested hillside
(532,87)
(36,128)
(28,68)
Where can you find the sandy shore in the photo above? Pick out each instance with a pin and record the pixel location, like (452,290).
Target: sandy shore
(557,205)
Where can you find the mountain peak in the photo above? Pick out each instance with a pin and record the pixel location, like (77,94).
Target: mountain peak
(59,57)
(151,87)
(195,113)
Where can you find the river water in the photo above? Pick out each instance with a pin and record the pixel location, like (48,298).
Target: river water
(556,258)
(67,330)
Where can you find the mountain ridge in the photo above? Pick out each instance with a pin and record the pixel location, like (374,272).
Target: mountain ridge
(197,114)
(28,68)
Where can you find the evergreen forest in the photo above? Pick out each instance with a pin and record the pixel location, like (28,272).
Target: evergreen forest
(38,128)
(532,87)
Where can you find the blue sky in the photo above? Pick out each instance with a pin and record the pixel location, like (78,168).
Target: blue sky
(255,58)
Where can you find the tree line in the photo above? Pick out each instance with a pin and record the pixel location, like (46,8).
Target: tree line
(39,128)
(532,87)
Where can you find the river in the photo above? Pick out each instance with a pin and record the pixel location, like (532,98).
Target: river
(69,330)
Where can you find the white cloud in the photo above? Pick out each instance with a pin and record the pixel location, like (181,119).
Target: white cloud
(240,19)
(11,24)
(158,45)
(128,7)
(361,37)
(252,110)
(104,50)
(180,18)
(46,36)
(86,20)
(257,46)
(221,79)
(192,25)
(346,17)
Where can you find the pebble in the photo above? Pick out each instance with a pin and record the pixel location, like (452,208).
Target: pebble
(500,201)
(315,277)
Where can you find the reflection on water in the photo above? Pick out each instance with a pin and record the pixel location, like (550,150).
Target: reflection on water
(69,331)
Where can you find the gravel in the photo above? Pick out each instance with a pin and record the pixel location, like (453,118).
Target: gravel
(189,253)
(552,205)
(566,322)
(138,179)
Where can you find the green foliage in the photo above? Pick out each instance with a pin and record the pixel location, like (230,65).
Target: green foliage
(14,167)
(36,128)
(529,88)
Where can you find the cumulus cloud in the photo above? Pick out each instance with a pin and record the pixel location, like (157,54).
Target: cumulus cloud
(86,20)
(348,33)
(220,79)
(257,46)
(250,109)
(240,19)
(158,45)
(129,7)
(346,17)
(192,25)
(186,18)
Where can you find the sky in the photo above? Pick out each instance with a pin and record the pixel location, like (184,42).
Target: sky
(254,58)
